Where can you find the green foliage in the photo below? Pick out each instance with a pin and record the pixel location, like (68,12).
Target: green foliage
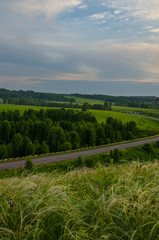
(79,162)
(29,165)
(116,155)
(3,151)
(130,135)
(44,148)
(52,130)
(65,146)
(148,147)
(157,144)
(5,100)
(17,144)
(85,106)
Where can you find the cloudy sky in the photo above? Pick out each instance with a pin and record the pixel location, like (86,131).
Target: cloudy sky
(86,46)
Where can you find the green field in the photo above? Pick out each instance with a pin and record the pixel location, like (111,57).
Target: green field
(142,122)
(84,204)
(145,111)
(90,101)
(21,108)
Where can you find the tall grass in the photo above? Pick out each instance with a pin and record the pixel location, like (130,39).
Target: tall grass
(117,202)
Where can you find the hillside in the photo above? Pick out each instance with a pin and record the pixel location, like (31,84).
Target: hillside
(117,202)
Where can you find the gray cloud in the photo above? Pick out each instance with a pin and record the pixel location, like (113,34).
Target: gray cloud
(33,46)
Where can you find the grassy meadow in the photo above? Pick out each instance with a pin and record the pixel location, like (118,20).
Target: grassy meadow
(115,202)
(142,123)
(145,111)
(90,101)
(21,108)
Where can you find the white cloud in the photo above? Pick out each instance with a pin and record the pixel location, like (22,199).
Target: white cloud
(82,7)
(117,12)
(146,9)
(148,27)
(100,16)
(154,30)
(51,8)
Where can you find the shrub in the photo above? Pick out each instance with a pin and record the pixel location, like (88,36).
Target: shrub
(148,148)
(116,155)
(29,165)
(79,162)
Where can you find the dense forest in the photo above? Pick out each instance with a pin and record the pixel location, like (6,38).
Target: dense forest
(7,94)
(44,131)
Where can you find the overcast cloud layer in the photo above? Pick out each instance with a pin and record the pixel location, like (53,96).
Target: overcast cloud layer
(79,40)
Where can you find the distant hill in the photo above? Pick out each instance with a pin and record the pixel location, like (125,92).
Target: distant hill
(5,93)
(71,98)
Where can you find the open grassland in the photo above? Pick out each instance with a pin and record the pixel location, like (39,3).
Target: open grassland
(142,123)
(21,108)
(90,101)
(117,202)
(145,111)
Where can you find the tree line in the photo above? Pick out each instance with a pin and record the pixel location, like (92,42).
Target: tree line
(44,131)
(13,94)
(42,103)
(118,100)
(21,96)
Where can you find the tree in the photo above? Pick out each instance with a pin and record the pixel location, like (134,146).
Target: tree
(106,106)
(27,147)
(85,106)
(100,136)
(10,150)
(130,136)
(44,148)
(3,151)
(55,138)
(65,146)
(75,139)
(16,115)
(5,100)
(6,129)
(110,106)
(17,144)
(90,136)
(118,137)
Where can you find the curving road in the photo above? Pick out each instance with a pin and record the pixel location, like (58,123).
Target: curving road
(73,155)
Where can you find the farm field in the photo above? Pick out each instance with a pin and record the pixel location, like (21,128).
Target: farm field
(98,203)
(154,112)
(21,108)
(90,101)
(142,123)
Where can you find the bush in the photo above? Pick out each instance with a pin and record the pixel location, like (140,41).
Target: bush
(148,148)
(29,165)
(79,162)
(157,144)
(116,155)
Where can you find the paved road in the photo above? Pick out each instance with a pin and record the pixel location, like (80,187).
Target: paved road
(73,155)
